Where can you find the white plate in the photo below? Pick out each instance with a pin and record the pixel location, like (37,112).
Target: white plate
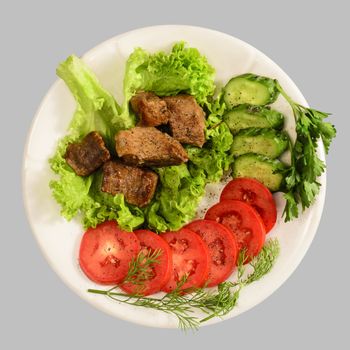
(59,240)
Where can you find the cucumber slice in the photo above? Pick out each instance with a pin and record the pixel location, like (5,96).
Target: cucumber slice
(267,142)
(250,88)
(263,169)
(249,116)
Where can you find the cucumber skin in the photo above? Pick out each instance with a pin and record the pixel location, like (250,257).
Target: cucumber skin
(270,85)
(264,118)
(252,160)
(246,138)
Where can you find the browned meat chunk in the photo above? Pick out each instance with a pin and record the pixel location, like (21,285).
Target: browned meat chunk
(187,122)
(88,155)
(149,146)
(150,108)
(138,185)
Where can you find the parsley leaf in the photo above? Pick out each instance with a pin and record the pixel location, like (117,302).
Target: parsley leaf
(301,177)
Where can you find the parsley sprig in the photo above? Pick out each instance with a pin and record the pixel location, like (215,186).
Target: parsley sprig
(301,178)
(187,305)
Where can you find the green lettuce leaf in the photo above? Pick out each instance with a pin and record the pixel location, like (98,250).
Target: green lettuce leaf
(177,200)
(183,70)
(96,109)
(214,158)
(71,192)
(180,187)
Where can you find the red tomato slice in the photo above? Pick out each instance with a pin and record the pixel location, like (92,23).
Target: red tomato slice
(106,251)
(255,194)
(190,258)
(222,249)
(243,221)
(161,271)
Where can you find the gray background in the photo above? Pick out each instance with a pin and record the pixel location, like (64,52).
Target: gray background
(309,40)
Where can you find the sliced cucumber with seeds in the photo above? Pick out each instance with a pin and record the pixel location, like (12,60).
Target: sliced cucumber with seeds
(249,116)
(263,169)
(250,88)
(266,142)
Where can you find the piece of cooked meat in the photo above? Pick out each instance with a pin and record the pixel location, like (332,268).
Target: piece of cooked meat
(150,108)
(138,185)
(89,154)
(149,146)
(186,119)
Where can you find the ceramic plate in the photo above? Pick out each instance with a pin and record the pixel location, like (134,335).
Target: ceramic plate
(59,240)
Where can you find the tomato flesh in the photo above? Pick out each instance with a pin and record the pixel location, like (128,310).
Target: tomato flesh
(222,248)
(255,194)
(106,251)
(190,259)
(159,272)
(243,221)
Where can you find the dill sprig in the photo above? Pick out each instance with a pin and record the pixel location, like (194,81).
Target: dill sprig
(186,304)
(140,268)
(263,263)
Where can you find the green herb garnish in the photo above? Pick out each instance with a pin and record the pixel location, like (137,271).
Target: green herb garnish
(140,268)
(301,177)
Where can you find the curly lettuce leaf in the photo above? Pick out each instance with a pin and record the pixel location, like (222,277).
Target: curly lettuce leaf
(71,192)
(177,200)
(183,70)
(214,158)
